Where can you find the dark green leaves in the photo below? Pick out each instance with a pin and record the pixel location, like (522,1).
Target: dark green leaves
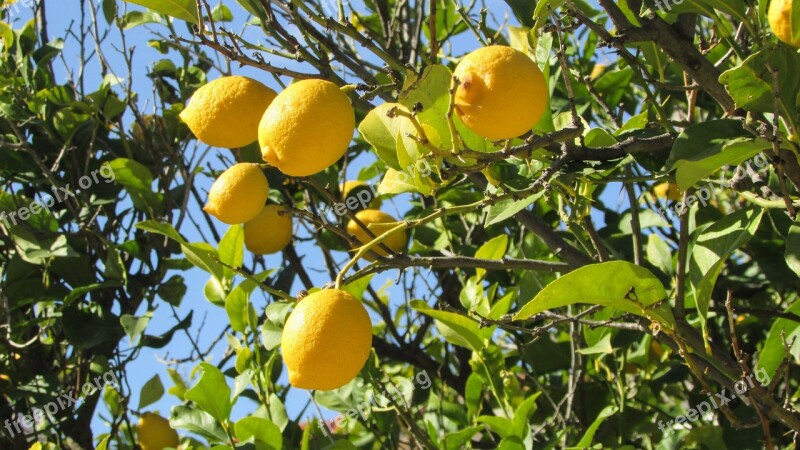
(181,9)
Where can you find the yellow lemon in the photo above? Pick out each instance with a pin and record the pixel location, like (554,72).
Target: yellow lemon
(378,223)
(270,231)
(239,194)
(326,340)
(154,433)
(226,112)
(780,20)
(348,187)
(502,93)
(307,128)
(668,190)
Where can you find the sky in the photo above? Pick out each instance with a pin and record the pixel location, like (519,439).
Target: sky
(213,319)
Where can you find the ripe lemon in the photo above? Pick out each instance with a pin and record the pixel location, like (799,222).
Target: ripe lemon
(307,128)
(269,231)
(780,20)
(378,222)
(239,194)
(348,187)
(225,112)
(154,433)
(668,190)
(326,340)
(502,93)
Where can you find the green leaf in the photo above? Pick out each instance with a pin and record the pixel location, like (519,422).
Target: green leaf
(588,437)
(138,181)
(456,329)
(182,9)
(221,13)
(162,228)
(196,421)
(703,140)
(772,353)
(396,182)
(237,305)
(793,248)
(706,163)
(262,430)
(135,326)
(432,92)
(151,392)
(522,415)
(379,130)
(231,249)
(603,347)
(500,425)
(494,248)
(211,393)
(713,247)
(616,284)
(751,87)
(507,209)
(659,254)
(523,10)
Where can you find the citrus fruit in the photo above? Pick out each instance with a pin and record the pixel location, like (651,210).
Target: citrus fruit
(378,223)
(270,231)
(239,194)
(326,340)
(225,112)
(154,433)
(780,20)
(307,128)
(597,71)
(347,187)
(502,93)
(668,190)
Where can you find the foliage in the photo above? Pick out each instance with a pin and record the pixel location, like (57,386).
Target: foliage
(542,311)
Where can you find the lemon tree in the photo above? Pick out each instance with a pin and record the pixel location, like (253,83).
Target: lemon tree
(399,224)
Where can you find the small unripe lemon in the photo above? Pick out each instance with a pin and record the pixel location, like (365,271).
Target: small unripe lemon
(780,20)
(238,195)
(270,231)
(326,340)
(668,190)
(502,93)
(226,112)
(348,187)
(154,433)
(307,128)
(378,222)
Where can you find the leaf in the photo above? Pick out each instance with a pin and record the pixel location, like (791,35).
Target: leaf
(396,182)
(456,329)
(588,437)
(734,153)
(600,348)
(431,91)
(182,9)
(237,305)
(494,248)
(151,392)
(196,421)
(713,247)
(522,415)
(659,254)
(500,425)
(162,228)
(772,352)
(751,87)
(507,209)
(378,129)
(231,249)
(262,430)
(211,393)
(135,326)
(616,284)
(793,248)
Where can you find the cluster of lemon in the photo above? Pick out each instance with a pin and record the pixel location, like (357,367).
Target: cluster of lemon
(326,340)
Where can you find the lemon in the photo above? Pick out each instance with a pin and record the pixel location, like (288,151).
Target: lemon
(326,340)
(597,71)
(154,433)
(668,190)
(225,112)
(307,128)
(502,93)
(239,194)
(270,231)
(780,20)
(348,187)
(378,223)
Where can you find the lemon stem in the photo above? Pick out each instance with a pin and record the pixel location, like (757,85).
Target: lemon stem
(364,249)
